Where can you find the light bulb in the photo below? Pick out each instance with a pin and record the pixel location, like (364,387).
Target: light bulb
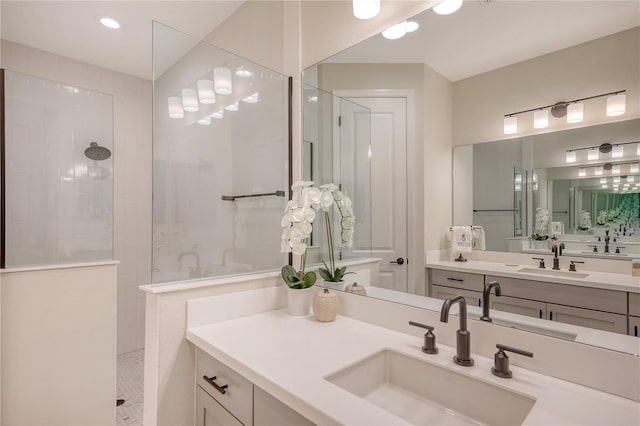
(447,7)
(617,151)
(575,113)
(582,172)
(205,121)
(571,157)
(598,171)
(593,154)
(541,119)
(222,81)
(366,9)
(175,107)
(634,168)
(190,100)
(232,107)
(616,105)
(206,94)
(616,179)
(252,99)
(218,114)
(395,32)
(510,125)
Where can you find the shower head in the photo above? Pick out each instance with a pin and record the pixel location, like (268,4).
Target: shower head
(97,152)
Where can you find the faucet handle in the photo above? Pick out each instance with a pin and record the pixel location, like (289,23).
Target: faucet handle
(541,259)
(572,265)
(595,248)
(429,338)
(618,249)
(501,360)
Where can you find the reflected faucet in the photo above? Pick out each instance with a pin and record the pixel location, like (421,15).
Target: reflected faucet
(486,293)
(463,337)
(607,238)
(194,272)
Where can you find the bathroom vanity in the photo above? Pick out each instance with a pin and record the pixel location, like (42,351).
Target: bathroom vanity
(597,300)
(355,372)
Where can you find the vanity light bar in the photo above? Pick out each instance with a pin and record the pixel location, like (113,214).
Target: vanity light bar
(573,110)
(593,152)
(614,169)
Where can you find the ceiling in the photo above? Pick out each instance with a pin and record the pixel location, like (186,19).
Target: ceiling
(486,35)
(70,28)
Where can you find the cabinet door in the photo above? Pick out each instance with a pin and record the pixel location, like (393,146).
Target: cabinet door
(529,308)
(634,304)
(634,326)
(588,318)
(473,298)
(210,413)
(268,410)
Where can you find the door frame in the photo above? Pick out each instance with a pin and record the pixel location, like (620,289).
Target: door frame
(415,189)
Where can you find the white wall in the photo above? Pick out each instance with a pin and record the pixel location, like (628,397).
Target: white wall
(59,346)
(600,66)
(132,171)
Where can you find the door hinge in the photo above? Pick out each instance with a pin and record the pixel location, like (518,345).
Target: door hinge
(339,120)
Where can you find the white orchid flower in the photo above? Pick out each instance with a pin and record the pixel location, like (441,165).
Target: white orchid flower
(311,196)
(284,247)
(326,200)
(299,248)
(329,187)
(309,214)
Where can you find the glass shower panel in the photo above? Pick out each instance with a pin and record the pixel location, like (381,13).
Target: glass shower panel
(220,161)
(337,135)
(58,171)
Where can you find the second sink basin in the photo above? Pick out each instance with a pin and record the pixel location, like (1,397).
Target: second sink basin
(553,272)
(423,393)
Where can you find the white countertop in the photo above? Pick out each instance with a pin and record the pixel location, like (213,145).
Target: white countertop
(289,357)
(604,280)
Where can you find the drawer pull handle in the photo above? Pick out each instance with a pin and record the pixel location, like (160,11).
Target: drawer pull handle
(551,316)
(219,388)
(635,330)
(455,279)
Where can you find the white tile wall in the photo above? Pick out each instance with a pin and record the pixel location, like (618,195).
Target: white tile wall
(132,101)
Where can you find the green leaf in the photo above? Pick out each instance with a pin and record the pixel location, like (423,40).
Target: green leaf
(309,279)
(324,273)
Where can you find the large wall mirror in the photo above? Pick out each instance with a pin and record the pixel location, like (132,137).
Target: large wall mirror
(442,156)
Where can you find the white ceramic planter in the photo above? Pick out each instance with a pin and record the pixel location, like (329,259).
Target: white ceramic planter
(299,300)
(333,285)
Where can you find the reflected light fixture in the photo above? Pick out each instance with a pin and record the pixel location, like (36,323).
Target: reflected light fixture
(617,151)
(175,107)
(222,81)
(630,179)
(190,100)
(510,125)
(206,94)
(109,22)
(615,169)
(638,150)
(582,172)
(598,171)
(570,157)
(593,153)
(205,121)
(400,30)
(616,105)
(252,99)
(243,72)
(218,114)
(447,7)
(232,107)
(616,179)
(603,180)
(541,119)
(604,186)
(575,112)
(634,168)
(366,9)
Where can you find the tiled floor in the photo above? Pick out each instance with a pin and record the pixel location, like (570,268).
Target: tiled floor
(130,388)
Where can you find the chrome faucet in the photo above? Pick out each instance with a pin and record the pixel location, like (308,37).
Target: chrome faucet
(463,337)
(556,259)
(194,272)
(486,293)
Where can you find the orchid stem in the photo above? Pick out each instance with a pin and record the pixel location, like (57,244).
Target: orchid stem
(330,241)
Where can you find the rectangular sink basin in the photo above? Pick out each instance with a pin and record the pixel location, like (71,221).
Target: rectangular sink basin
(551,272)
(423,393)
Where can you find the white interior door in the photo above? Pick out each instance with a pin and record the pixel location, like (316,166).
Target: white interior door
(388,157)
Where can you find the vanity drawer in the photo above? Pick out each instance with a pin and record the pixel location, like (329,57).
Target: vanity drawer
(456,279)
(238,395)
(634,326)
(634,304)
(473,298)
(562,294)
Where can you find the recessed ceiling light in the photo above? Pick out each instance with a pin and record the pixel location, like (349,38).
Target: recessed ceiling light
(109,22)
(447,7)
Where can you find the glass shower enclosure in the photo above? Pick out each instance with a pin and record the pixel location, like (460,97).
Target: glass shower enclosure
(57,173)
(220,161)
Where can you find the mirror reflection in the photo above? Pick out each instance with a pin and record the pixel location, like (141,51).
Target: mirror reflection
(460,81)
